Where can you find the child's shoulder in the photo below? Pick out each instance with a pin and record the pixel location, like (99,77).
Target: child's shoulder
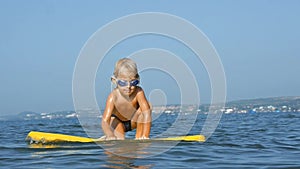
(139,90)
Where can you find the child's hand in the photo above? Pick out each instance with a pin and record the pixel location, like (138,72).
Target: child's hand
(111,138)
(100,138)
(142,138)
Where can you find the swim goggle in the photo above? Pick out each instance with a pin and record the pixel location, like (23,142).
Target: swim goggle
(123,83)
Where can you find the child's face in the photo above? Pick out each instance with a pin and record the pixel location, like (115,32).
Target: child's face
(126,84)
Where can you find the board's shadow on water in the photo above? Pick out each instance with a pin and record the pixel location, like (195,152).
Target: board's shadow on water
(135,154)
(125,156)
(138,149)
(115,161)
(117,154)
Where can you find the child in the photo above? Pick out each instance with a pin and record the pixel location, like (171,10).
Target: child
(126,106)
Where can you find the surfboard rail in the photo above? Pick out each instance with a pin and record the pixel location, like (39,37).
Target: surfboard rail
(44,137)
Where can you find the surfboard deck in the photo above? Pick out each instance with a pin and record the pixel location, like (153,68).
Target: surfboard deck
(43,137)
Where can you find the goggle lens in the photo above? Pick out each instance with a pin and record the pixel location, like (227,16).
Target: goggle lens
(123,83)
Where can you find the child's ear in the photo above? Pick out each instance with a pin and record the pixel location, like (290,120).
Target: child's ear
(113,79)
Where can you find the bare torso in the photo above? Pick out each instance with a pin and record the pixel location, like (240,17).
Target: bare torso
(125,108)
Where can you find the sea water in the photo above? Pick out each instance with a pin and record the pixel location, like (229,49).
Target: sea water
(260,140)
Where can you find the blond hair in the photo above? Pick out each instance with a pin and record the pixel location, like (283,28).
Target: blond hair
(126,65)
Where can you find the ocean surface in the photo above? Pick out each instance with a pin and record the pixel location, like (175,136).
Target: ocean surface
(253,140)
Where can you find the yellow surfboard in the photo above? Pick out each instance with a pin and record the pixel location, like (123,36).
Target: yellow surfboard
(43,137)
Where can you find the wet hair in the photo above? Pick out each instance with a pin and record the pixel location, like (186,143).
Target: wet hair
(126,66)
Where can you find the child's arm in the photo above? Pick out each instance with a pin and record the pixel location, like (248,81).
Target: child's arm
(106,118)
(146,113)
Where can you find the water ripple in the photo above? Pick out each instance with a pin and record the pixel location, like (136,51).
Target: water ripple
(261,140)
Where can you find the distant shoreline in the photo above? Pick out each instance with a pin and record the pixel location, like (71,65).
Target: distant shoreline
(272,104)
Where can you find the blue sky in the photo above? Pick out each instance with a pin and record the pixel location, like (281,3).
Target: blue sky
(257,41)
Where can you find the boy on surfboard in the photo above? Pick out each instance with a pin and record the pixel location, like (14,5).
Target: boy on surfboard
(126,106)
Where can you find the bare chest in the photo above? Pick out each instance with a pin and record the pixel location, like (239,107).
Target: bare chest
(126,108)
